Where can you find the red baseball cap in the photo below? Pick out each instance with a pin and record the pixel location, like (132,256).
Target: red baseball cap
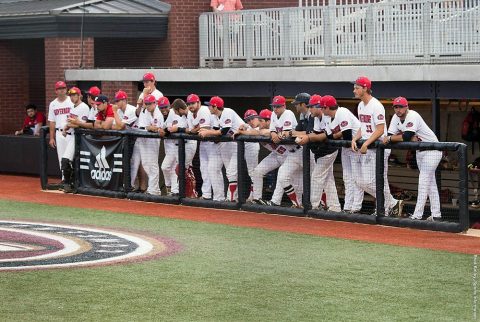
(60,84)
(400,101)
(250,114)
(193,98)
(94,91)
(149,77)
(149,99)
(74,90)
(315,101)
(216,101)
(163,102)
(364,82)
(278,101)
(120,95)
(328,101)
(265,114)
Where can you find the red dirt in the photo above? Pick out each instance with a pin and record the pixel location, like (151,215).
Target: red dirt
(28,189)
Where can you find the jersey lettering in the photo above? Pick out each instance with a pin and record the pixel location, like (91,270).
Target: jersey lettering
(365,118)
(63,110)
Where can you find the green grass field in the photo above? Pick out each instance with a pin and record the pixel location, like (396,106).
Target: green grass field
(227,273)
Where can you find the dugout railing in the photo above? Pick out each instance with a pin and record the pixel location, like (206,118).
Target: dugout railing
(457,216)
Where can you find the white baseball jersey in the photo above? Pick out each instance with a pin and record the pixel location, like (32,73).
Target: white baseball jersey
(203,118)
(322,124)
(58,112)
(414,123)
(155,119)
(285,122)
(156,93)
(370,116)
(230,119)
(129,117)
(80,112)
(143,120)
(344,120)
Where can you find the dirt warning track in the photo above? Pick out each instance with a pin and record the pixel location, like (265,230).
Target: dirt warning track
(27,189)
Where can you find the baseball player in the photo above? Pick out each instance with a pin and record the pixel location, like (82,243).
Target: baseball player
(251,119)
(274,160)
(150,147)
(407,125)
(344,125)
(92,93)
(171,146)
(177,123)
(105,116)
(331,123)
(78,115)
(123,113)
(229,122)
(201,118)
(136,168)
(371,114)
(281,126)
(58,112)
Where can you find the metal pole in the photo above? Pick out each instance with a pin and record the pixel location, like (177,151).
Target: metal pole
(43,158)
(181,168)
(380,182)
(241,182)
(306,179)
(126,163)
(463,214)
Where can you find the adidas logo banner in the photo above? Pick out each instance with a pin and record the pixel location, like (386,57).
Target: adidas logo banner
(101,165)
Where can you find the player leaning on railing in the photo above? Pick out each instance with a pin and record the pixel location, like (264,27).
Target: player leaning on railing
(407,125)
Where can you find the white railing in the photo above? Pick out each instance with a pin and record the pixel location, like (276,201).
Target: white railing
(386,32)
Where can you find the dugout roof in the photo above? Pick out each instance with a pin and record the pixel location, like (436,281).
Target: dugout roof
(22,19)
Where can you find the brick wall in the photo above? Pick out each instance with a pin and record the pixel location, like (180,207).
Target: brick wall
(14,86)
(63,53)
(110,88)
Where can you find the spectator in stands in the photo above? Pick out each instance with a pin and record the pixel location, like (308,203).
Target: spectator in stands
(33,121)
(226,5)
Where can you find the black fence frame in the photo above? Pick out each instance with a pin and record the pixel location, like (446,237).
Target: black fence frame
(380,218)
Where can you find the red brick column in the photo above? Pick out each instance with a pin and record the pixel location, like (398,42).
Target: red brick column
(109,88)
(14,86)
(61,54)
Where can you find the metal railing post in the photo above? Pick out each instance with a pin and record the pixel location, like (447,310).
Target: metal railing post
(249,38)
(203,39)
(126,162)
(463,215)
(181,168)
(241,173)
(380,180)
(307,205)
(43,158)
(226,39)
(285,30)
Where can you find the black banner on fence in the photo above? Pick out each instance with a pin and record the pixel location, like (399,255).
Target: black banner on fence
(101,163)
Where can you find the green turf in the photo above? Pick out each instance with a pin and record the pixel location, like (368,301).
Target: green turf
(228,273)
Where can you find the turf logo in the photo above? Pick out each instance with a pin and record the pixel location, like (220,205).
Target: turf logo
(31,245)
